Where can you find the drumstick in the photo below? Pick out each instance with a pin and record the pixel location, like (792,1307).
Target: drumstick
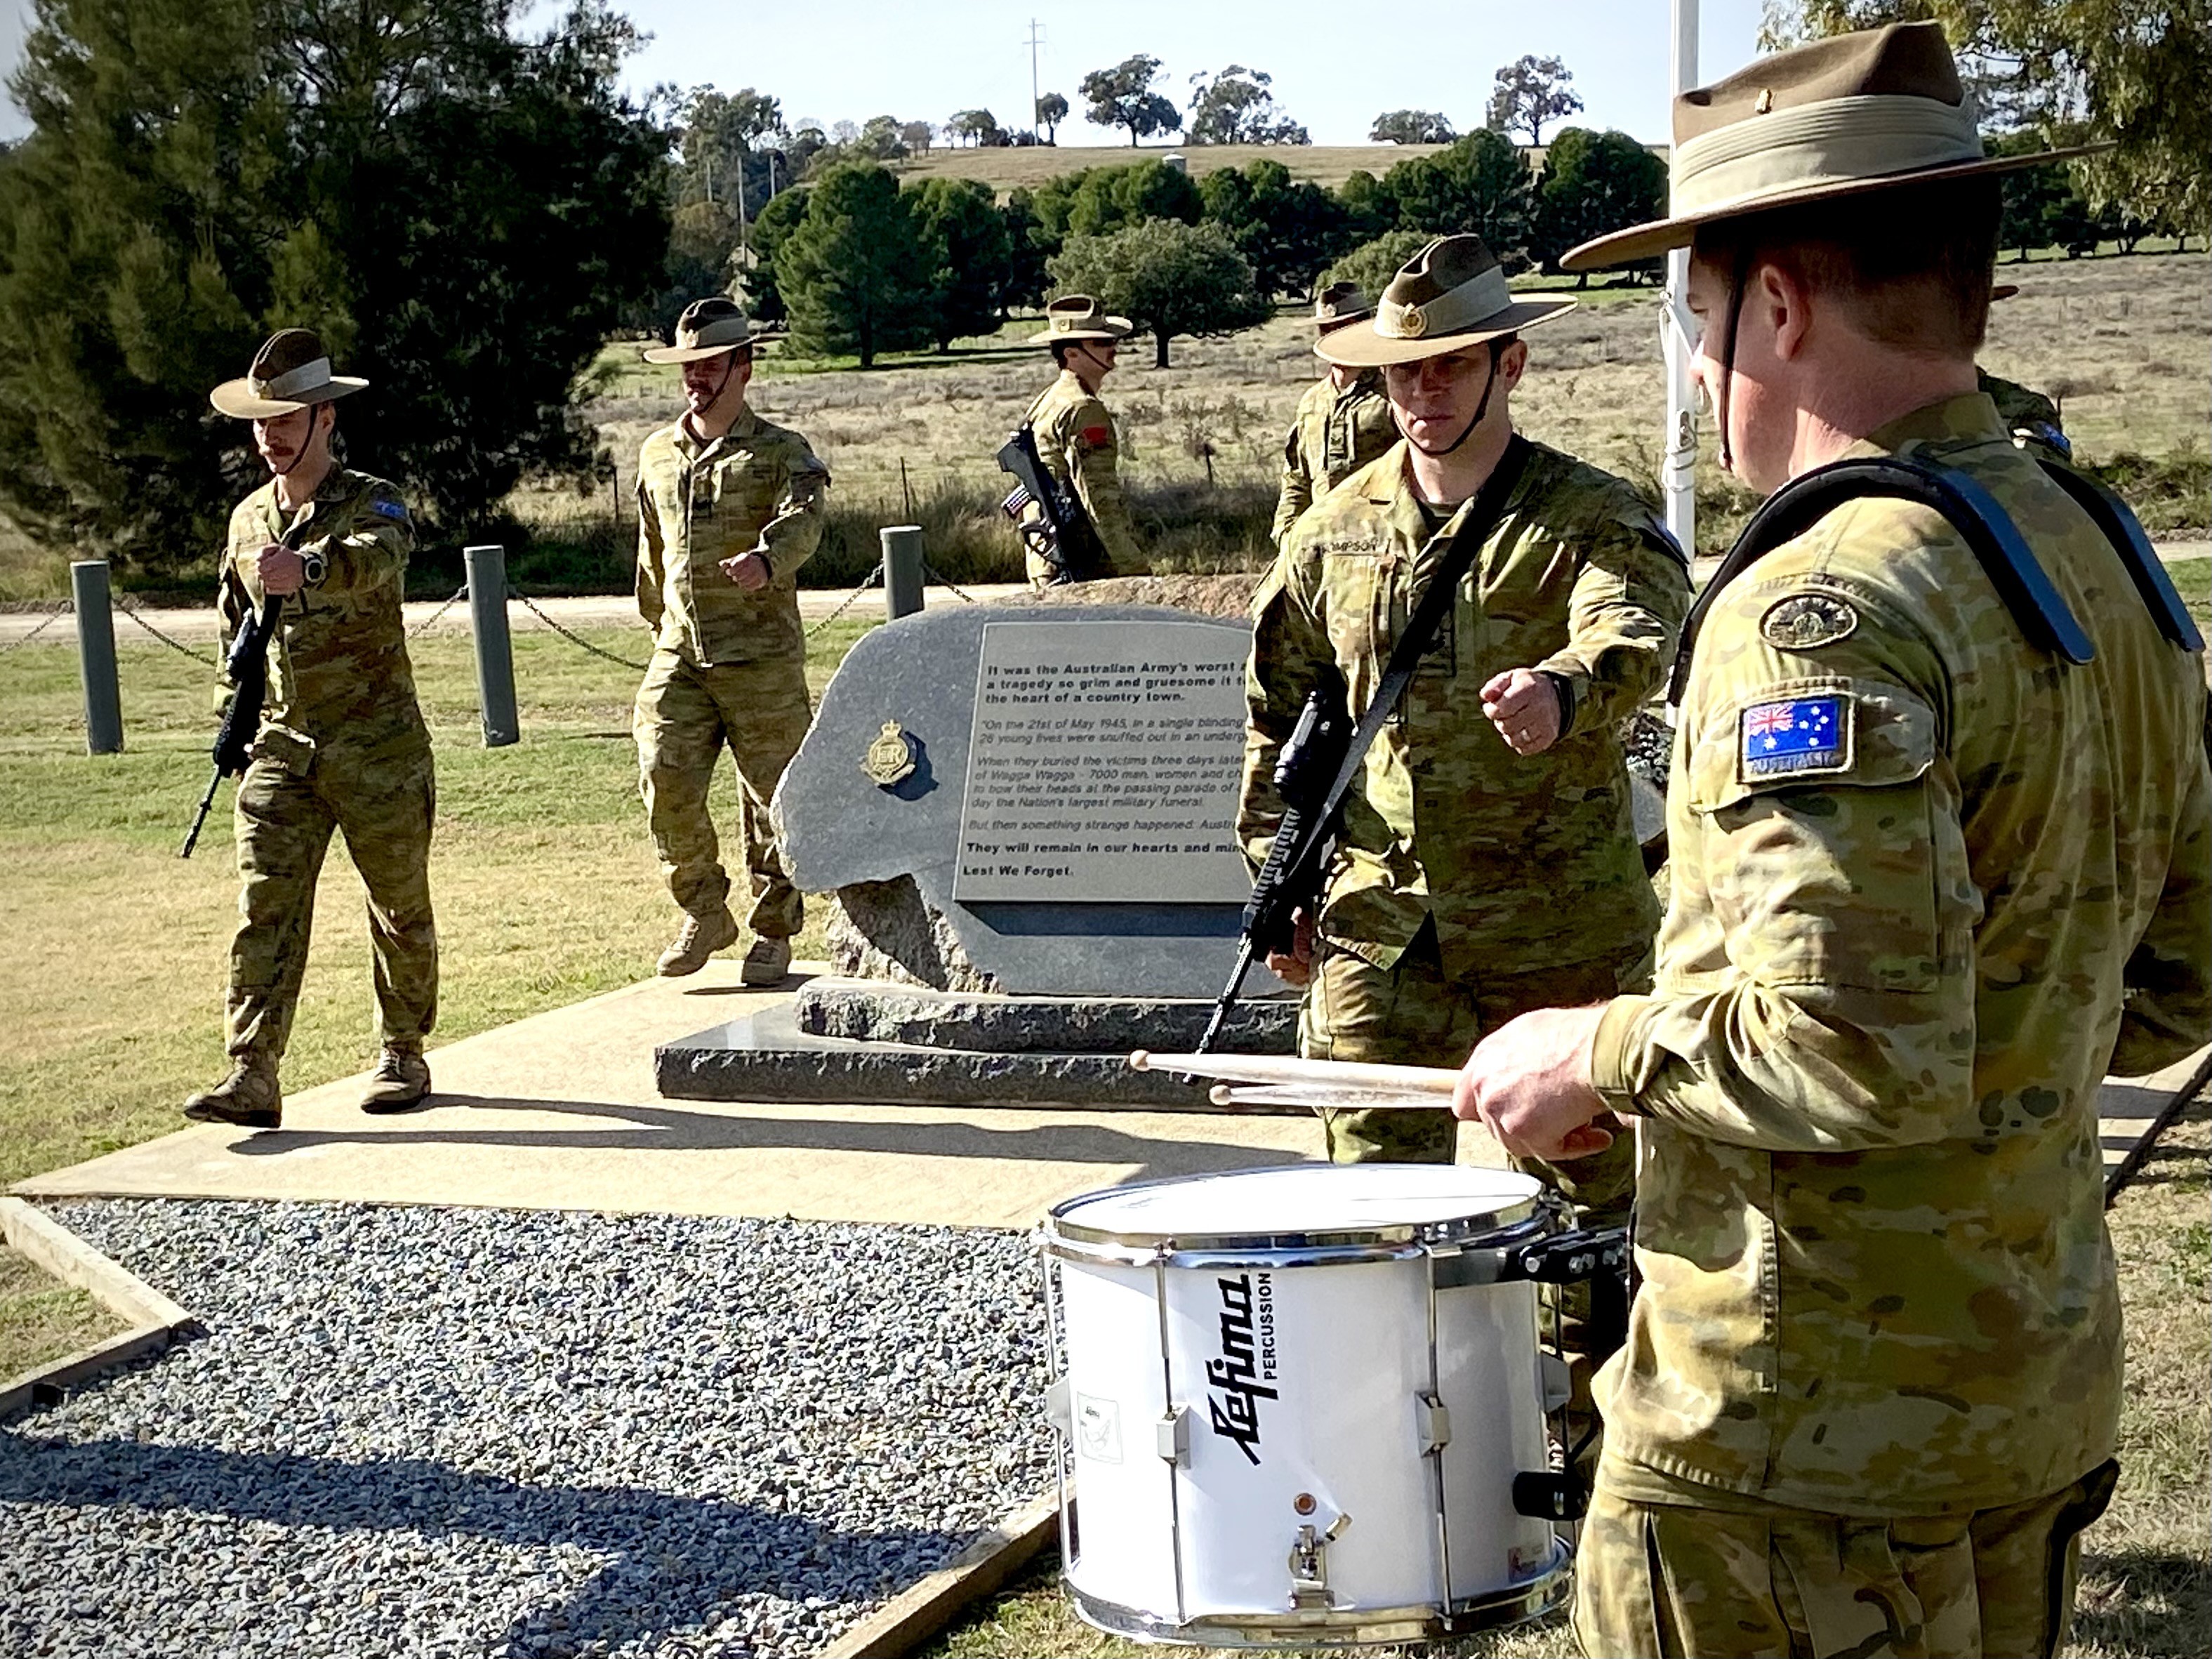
(1317,1100)
(1329,1076)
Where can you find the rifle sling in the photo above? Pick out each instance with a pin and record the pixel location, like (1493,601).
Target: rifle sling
(1469,529)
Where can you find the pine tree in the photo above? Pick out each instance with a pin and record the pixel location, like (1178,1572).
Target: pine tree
(856,274)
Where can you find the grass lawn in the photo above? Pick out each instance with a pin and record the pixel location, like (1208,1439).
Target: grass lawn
(545,882)
(41,1319)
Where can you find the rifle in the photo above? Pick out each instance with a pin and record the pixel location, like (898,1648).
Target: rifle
(248,667)
(1298,862)
(1060,532)
(1304,852)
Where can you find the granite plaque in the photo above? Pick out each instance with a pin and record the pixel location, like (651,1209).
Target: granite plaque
(1103,765)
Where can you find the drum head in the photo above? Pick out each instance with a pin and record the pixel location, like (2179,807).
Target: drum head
(1302,1204)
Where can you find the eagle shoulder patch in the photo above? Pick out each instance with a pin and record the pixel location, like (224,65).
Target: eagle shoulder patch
(1805,621)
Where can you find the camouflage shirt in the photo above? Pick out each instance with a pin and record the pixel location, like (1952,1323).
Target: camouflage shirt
(1928,886)
(1525,863)
(338,670)
(1331,437)
(1076,441)
(758,487)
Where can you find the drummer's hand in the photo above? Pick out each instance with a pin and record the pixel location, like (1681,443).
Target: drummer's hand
(1297,968)
(1530,1084)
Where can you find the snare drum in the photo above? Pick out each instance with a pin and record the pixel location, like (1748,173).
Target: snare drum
(1296,1400)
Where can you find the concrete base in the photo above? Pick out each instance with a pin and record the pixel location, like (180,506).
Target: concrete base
(559,1111)
(876,1011)
(767,1056)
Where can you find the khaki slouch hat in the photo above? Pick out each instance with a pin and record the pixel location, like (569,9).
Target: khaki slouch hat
(1869,111)
(1450,295)
(290,372)
(708,328)
(1080,317)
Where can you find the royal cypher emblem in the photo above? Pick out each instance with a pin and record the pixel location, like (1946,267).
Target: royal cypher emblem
(890,758)
(1804,622)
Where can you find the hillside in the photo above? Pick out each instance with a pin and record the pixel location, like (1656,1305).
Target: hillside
(1009,169)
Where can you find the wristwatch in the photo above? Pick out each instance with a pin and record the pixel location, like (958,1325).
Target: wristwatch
(314,565)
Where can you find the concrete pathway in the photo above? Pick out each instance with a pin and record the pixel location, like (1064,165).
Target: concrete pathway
(559,1111)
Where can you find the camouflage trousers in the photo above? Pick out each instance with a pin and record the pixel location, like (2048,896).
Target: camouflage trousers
(684,718)
(1412,1015)
(1678,1581)
(288,802)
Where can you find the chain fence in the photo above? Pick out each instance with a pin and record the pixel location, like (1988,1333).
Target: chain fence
(930,572)
(129,609)
(574,639)
(872,579)
(51,617)
(435,616)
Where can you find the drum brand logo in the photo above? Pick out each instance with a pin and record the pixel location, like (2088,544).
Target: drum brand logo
(1247,1364)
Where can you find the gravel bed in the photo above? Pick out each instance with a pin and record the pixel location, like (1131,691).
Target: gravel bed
(420,1431)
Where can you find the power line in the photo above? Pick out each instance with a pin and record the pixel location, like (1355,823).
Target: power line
(1036,39)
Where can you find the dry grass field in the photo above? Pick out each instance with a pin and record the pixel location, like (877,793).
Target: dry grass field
(1004,170)
(2121,342)
(41,1319)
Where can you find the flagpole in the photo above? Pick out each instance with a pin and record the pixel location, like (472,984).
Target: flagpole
(1678,445)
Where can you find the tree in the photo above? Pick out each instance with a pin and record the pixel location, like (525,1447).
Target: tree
(462,212)
(2133,71)
(1051,111)
(1480,184)
(977,126)
(961,224)
(1025,277)
(1369,209)
(856,273)
(1236,107)
(1411,126)
(1592,183)
(1530,91)
(1122,97)
(1286,230)
(770,231)
(1098,200)
(879,140)
(845,134)
(1166,277)
(1372,264)
(917,136)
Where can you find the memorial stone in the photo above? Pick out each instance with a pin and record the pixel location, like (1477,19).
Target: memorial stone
(1029,811)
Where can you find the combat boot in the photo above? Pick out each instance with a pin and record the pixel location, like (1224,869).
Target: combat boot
(402,1080)
(249,1097)
(702,937)
(767,962)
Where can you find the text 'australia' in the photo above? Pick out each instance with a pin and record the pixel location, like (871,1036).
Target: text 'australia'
(1238,1379)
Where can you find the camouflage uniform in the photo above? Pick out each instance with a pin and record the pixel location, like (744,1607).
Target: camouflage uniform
(1075,440)
(1331,437)
(1474,883)
(342,746)
(1878,1315)
(728,666)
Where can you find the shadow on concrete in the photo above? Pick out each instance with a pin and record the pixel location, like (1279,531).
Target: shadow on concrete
(674,1129)
(672,1559)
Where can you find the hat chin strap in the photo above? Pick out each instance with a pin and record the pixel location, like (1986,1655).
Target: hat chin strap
(1737,282)
(1481,408)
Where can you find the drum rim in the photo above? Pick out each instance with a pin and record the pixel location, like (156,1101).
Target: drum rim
(1386,1241)
(1515,1604)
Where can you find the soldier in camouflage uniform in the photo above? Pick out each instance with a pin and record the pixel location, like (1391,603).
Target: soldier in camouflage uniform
(1075,435)
(342,745)
(1930,884)
(1343,421)
(1489,863)
(729,508)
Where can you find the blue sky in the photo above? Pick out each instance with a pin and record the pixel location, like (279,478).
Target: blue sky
(854,58)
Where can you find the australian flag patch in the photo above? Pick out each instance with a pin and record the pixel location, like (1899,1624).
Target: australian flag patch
(1803,734)
(388,506)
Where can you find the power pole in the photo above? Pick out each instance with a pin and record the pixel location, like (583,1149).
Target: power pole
(1677,469)
(1036,39)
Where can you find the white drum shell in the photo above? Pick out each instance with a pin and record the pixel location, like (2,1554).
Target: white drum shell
(1341,1350)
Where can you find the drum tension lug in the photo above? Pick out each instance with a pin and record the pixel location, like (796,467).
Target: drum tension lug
(1569,1258)
(1172,1434)
(1309,1565)
(1435,1423)
(1549,1497)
